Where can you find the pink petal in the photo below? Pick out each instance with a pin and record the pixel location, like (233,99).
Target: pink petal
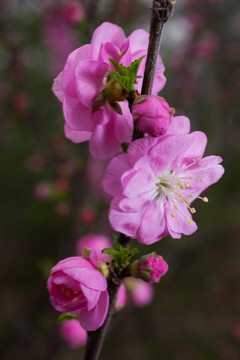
(138,40)
(103,144)
(57,87)
(140,148)
(153,223)
(173,149)
(136,204)
(179,224)
(91,295)
(72,262)
(111,182)
(107,51)
(179,125)
(75,135)
(92,320)
(75,113)
(142,181)
(91,278)
(107,32)
(124,222)
(89,78)
(84,52)
(124,124)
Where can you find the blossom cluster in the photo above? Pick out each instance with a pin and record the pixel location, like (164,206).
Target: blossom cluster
(152,183)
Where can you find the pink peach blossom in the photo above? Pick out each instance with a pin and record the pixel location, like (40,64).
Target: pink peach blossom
(155,182)
(96,242)
(154,116)
(76,286)
(83,78)
(72,332)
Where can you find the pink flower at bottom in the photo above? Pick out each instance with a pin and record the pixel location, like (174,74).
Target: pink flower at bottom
(155,183)
(72,332)
(76,286)
(85,77)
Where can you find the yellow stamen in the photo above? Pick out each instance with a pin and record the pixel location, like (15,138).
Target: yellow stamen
(172,213)
(205,199)
(189,222)
(203,179)
(192,210)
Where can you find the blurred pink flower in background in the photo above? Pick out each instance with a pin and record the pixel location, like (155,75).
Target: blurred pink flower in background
(121,297)
(74,12)
(86,216)
(206,47)
(140,291)
(60,38)
(96,242)
(72,332)
(43,190)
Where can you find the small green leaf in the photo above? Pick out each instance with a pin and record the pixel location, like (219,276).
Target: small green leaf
(133,68)
(66,316)
(116,243)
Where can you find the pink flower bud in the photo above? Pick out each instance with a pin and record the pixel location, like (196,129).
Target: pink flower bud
(76,286)
(155,266)
(72,332)
(121,297)
(149,268)
(153,115)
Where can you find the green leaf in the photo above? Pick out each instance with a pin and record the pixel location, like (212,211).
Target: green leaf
(126,76)
(120,255)
(66,316)
(123,80)
(133,68)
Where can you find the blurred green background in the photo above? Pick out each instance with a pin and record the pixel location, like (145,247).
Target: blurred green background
(51,191)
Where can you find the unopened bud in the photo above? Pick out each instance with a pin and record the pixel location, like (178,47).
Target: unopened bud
(149,268)
(113,91)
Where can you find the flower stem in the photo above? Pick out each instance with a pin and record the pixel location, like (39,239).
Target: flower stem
(96,338)
(162,10)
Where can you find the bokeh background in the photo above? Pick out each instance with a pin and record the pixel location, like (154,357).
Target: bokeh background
(51,190)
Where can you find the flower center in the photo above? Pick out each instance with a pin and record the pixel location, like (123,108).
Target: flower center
(177,189)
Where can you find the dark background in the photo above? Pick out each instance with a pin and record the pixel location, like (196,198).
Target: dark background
(47,199)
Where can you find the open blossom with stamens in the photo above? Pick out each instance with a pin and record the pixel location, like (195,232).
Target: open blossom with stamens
(76,286)
(88,93)
(155,183)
